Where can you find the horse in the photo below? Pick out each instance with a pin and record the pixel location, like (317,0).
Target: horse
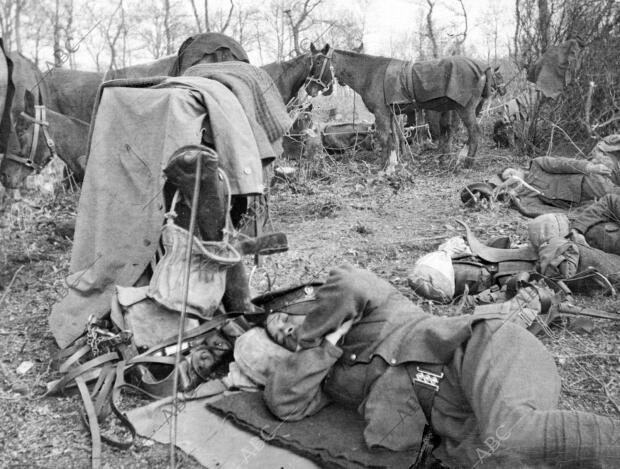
(42,134)
(202,48)
(310,70)
(25,76)
(159,67)
(389,86)
(72,92)
(56,87)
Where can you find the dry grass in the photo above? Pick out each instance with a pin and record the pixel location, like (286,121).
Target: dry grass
(337,210)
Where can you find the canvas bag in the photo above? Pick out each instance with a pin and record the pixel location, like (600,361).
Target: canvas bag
(207,280)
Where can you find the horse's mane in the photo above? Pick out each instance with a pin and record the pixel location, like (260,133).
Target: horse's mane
(288,64)
(350,53)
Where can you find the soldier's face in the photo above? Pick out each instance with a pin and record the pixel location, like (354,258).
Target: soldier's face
(281,327)
(513,172)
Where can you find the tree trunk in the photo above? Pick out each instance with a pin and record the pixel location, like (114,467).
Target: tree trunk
(198,23)
(18,13)
(429,28)
(58,55)
(207,28)
(167,28)
(543,24)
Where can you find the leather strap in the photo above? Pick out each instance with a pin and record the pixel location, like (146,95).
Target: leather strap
(491,254)
(79,353)
(79,370)
(195,332)
(93,424)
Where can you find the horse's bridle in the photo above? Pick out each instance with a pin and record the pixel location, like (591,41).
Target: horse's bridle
(40,124)
(319,81)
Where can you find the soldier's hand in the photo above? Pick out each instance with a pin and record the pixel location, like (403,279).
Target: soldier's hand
(598,168)
(578,238)
(334,337)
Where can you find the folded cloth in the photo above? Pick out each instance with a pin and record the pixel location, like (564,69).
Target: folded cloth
(210,439)
(240,157)
(256,92)
(333,437)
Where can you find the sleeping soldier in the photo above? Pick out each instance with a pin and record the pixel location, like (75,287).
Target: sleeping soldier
(487,388)
(561,182)
(599,224)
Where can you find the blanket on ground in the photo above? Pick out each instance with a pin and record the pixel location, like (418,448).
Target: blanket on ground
(333,437)
(212,440)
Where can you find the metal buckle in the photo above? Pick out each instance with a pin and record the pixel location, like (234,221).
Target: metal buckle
(427,378)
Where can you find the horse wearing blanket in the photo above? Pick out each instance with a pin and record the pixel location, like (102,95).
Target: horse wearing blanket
(389,87)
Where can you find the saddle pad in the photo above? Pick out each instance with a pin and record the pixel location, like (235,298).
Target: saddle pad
(333,437)
(395,86)
(457,78)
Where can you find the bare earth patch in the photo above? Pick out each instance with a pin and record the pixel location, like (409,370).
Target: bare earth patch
(334,212)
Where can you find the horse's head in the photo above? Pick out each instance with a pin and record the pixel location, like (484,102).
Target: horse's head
(26,153)
(320,77)
(303,126)
(498,84)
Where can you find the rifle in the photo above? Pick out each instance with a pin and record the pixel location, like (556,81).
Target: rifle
(568,308)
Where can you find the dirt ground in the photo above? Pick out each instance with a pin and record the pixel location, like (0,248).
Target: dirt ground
(336,211)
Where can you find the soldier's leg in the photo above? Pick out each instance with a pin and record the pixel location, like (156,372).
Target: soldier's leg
(512,385)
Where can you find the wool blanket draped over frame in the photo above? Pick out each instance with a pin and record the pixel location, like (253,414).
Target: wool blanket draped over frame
(457,78)
(138,124)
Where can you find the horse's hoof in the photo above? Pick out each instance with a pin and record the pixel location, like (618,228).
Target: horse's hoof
(468,162)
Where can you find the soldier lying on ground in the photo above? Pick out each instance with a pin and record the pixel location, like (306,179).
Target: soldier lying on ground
(486,386)
(561,182)
(599,224)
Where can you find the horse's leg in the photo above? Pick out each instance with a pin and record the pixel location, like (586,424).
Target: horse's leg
(386,139)
(468,117)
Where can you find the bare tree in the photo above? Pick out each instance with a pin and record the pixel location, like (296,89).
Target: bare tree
(429,28)
(112,33)
(299,19)
(544,23)
(167,27)
(459,38)
(196,17)
(6,23)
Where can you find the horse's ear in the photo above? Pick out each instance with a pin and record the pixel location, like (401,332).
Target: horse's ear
(325,49)
(359,49)
(312,48)
(496,69)
(29,103)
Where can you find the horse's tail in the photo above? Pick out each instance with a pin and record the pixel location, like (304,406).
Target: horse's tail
(486,91)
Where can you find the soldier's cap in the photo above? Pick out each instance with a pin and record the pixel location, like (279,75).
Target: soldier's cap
(296,300)
(483,190)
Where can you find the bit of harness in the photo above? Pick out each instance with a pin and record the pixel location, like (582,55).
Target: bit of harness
(319,80)
(40,125)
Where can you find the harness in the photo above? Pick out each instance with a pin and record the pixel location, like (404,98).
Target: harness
(319,81)
(40,124)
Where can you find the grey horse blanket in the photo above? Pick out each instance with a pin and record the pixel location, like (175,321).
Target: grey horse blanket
(196,47)
(457,78)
